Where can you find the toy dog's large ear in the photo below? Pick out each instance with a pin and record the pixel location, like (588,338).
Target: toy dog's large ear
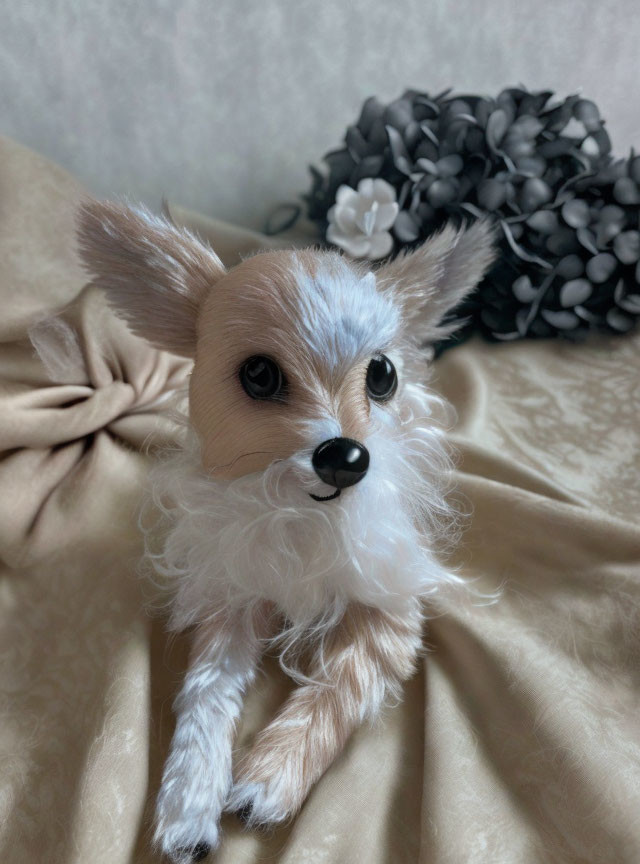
(155,275)
(432,279)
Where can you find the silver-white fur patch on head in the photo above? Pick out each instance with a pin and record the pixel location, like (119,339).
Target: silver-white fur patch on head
(341,316)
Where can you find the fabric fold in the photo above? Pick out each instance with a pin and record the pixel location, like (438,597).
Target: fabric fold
(99,390)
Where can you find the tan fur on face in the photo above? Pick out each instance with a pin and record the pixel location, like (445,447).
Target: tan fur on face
(365,660)
(253,310)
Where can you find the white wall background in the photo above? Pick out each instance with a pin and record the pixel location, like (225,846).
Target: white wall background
(220,104)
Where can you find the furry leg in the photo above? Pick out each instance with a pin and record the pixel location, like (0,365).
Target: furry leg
(363,661)
(197,774)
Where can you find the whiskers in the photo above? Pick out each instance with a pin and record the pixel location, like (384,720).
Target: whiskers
(223,467)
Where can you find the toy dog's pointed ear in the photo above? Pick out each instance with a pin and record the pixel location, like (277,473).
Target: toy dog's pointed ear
(154,274)
(432,279)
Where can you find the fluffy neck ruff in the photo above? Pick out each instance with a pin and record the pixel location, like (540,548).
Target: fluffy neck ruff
(231,545)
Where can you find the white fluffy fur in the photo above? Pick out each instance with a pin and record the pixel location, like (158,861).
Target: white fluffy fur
(197,774)
(341,317)
(230,545)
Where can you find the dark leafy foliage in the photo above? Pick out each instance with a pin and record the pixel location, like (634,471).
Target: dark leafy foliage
(567,212)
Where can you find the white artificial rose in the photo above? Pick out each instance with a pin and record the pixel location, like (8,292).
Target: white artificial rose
(360,219)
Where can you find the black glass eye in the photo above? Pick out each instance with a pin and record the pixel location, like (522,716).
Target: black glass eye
(261,378)
(382,381)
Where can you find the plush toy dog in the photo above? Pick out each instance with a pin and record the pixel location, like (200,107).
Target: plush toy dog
(305,503)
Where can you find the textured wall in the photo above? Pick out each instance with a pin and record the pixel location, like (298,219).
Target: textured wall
(220,105)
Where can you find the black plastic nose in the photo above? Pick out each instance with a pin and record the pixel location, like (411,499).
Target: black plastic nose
(340,462)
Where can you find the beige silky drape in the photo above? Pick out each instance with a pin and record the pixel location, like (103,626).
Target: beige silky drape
(518,740)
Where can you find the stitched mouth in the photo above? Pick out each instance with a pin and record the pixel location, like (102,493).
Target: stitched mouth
(326,497)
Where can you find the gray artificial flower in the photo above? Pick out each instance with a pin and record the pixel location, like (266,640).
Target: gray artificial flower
(360,219)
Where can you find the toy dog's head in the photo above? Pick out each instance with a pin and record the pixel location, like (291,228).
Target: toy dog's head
(307,366)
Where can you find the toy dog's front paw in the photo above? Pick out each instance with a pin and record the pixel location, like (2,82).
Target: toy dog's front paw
(263,803)
(187,837)
(189,808)
(196,852)
(270,780)
(181,852)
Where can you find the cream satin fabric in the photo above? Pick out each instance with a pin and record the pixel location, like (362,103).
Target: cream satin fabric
(519,739)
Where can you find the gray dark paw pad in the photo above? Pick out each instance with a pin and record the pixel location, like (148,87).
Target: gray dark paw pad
(198,852)
(244,812)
